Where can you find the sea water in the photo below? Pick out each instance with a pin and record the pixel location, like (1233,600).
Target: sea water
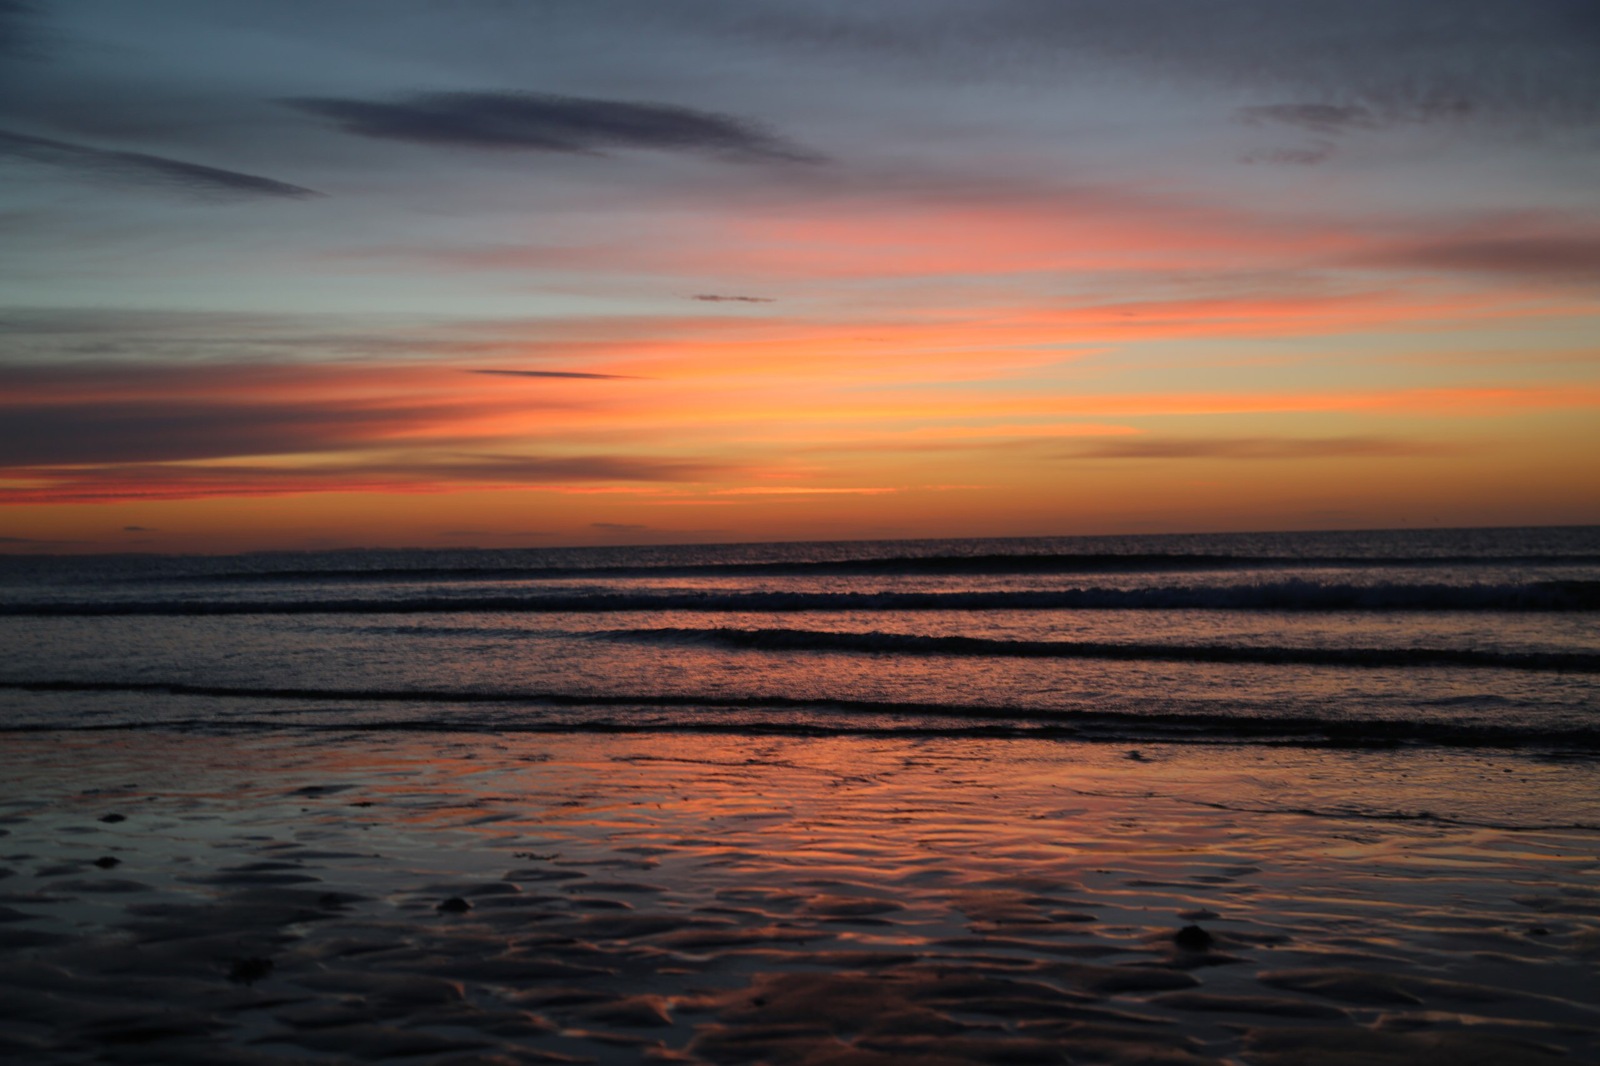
(1440,637)
(1417,639)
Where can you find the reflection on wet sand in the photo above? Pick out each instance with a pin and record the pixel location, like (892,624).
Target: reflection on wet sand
(683,898)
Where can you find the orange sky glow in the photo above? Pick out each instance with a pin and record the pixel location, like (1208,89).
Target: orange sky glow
(846,315)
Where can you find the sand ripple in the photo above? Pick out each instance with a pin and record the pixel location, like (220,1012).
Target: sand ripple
(804,902)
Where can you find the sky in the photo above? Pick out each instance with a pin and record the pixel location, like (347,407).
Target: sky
(293,274)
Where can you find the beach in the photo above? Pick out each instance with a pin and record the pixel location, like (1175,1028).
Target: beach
(1263,800)
(693,897)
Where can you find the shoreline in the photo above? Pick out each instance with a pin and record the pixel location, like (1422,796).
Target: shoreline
(278,898)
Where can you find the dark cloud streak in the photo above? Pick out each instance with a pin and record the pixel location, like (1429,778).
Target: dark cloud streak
(139,168)
(543,123)
(555,374)
(176,430)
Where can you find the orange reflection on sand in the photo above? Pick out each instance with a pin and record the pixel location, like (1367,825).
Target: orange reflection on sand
(727,898)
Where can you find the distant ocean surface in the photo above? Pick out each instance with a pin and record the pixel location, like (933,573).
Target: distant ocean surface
(1424,638)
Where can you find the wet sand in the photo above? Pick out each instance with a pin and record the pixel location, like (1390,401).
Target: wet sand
(529,899)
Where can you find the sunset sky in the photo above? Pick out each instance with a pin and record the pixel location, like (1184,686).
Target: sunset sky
(294,274)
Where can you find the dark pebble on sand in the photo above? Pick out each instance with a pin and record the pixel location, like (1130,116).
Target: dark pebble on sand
(454,905)
(1192,938)
(112,818)
(106,862)
(250,970)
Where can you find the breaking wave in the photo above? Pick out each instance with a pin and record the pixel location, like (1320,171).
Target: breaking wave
(513,711)
(1293,595)
(916,644)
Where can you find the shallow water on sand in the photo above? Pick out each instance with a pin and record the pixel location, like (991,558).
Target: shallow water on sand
(277,898)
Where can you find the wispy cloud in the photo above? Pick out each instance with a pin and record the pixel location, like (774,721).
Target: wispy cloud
(176,430)
(1332,121)
(544,123)
(1328,121)
(90,432)
(62,343)
(139,168)
(1295,448)
(432,472)
(1318,118)
(542,469)
(714,298)
(103,413)
(555,374)
(1458,402)
(1309,156)
(802,490)
(1531,256)
(1535,64)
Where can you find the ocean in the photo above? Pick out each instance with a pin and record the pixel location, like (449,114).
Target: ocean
(1442,638)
